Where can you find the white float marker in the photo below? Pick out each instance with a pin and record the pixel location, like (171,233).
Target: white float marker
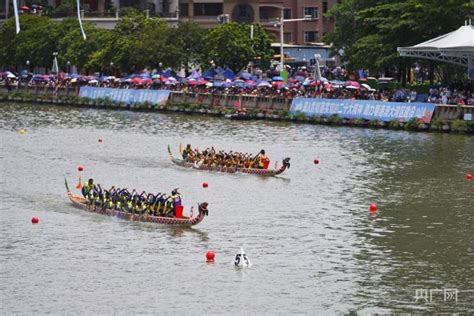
(17,18)
(241,260)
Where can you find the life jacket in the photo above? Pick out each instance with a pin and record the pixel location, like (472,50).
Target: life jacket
(261,161)
(86,189)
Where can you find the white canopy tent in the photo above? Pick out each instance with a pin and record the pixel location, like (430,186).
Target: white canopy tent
(456,47)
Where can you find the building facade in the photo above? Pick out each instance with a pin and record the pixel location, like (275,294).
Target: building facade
(209,13)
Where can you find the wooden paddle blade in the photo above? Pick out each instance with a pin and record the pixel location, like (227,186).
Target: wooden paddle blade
(79,184)
(180,149)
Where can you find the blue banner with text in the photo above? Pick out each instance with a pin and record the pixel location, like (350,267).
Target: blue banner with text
(363,109)
(128,96)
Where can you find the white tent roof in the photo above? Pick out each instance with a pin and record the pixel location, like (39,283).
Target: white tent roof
(455,47)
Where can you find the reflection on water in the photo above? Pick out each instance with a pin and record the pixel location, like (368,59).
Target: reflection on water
(312,242)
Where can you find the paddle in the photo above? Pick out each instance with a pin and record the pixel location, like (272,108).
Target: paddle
(79,184)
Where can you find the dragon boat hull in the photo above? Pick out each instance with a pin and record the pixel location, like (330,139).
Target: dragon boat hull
(80,202)
(260,172)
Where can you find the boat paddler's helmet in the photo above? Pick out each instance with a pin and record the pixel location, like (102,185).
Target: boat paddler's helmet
(175,191)
(262,152)
(91,181)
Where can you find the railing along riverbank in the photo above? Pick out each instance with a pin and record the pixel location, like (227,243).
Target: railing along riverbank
(445,117)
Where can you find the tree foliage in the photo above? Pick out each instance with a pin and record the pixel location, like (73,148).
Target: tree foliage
(369,31)
(36,41)
(230,45)
(136,42)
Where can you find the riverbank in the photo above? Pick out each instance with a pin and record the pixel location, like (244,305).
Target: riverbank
(446,118)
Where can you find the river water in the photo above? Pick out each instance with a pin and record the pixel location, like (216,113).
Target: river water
(308,233)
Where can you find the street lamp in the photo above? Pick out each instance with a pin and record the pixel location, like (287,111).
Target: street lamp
(28,65)
(160,65)
(111,68)
(68,67)
(280,23)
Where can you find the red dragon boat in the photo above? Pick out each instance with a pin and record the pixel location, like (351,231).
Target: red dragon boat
(261,172)
(80,202)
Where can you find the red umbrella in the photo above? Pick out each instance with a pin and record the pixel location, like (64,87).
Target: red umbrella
(137,81)
(25,8)
(353,84)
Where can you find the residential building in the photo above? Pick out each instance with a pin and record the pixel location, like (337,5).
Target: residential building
(209,13)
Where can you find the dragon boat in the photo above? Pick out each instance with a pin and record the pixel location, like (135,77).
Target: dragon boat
(262,172)
(81,203)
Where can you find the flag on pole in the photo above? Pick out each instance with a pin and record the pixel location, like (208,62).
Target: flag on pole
(79,18)
(17,18)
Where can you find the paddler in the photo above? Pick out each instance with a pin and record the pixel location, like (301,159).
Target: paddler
(262,160)
(87,188)
(187,151)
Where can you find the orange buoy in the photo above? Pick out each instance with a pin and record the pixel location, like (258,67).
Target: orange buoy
(100,140)
(35,220)
(210,256)
(80,168)
(373,208)
(316,161)
(469,176)
(205,184)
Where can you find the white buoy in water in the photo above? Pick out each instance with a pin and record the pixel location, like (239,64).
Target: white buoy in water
(241,260)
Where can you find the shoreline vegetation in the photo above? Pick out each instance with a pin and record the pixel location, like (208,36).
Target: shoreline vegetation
(437,124)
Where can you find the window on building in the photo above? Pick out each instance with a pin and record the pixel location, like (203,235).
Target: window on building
(287,13)
(207,9)
(312,11)
(325,7)
(264,14)
(287,37)
(183,9)
(310,37)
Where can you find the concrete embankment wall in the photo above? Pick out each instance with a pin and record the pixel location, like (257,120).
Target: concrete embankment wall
(218,104)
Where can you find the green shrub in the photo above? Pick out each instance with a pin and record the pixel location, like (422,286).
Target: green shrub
(460,126)
(411,124)
(395,123)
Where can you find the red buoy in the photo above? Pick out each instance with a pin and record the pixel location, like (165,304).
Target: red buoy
(35,220)
(80,168)
(210,256)
(205,184)
(100,140)
(469,176)
(316,161)
(373,208)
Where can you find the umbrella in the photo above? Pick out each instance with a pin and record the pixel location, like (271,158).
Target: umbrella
(354,84)
(10,75)
(94,81)
(365,86)
(25,8)
(156,76)
(250,83)
(263,84)
(352,87)
(55,66)
(278,78)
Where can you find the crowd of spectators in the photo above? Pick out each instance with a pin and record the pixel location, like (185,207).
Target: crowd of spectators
(301,83)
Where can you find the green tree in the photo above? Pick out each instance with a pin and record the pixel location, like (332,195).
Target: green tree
(136,42)
(36,41)
(370,31)
(71,46)
(187,44)
(230,45)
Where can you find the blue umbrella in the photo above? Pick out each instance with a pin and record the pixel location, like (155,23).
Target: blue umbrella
(278,78)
